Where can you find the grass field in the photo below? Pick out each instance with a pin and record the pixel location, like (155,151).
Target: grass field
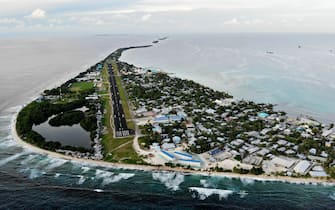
(116,149)
(81,86)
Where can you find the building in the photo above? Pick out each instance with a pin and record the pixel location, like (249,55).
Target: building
(167,155)
(318,171)
(281,161)
(161,119)
(183,155)
(190,162)
(176,139)
(263,115)
(214,151)
(168,146)
(302,167)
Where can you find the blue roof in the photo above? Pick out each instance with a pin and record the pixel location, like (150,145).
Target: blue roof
(263,114)
(175,117)
(157,129)
(214,151)
(161,118)
(192,160)
(167,153)
(184,154)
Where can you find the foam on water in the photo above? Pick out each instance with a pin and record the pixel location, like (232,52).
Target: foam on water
(332,196)
(204,183)
(81,180)
(85,169)
(204,193)
(54,163)
(11,158)
(247,181)
(7,143)
(171,180)
(29,159)
(33,173)
(109,177)
(242,194)
(210,182)
(98,190)
(44,162)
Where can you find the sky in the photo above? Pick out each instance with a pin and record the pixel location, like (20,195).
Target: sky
(165,16)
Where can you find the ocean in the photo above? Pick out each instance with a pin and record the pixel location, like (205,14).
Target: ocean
(294,71)
(34,181)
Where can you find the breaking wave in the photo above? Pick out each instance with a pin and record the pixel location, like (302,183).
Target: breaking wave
(247,181)
(109,177)
(29,159)
(98,190)
(81,180)
(204,193)
(54,163)
(11,158)
(211,182)
(8,142)
(85,169)
(332,196)
(242,194)
(33,173)
(171,180)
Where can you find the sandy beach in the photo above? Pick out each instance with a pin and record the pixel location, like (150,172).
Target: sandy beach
(287,179)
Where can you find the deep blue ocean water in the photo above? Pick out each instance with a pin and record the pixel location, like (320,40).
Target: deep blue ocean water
(33,181)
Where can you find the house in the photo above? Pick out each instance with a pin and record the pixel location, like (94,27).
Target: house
(176,139)
(157,129)
(168,146)
(161,119)
(214,152)
(190,162)
(312,151)
(302,167)
(224,102)
(283,161)
(253,160)
(262,115)
(318,171)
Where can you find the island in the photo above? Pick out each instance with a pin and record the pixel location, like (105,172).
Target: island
(145,118)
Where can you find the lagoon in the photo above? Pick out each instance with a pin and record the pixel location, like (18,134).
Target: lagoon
(73,135)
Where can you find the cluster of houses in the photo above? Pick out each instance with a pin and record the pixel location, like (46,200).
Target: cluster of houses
(98,149)
(213,123)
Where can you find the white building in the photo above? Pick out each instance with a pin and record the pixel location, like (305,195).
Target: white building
(302,167)
(281,161)
(190,162)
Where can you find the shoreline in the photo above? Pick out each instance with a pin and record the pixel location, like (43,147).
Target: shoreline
(150,168)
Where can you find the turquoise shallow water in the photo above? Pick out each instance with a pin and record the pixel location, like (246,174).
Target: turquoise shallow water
(299,80)
(34,181)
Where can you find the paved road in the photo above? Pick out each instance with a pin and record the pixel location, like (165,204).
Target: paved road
(120,122)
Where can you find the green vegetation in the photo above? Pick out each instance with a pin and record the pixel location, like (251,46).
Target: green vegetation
(67,118)
(144,142)
(82,87)
(37,113)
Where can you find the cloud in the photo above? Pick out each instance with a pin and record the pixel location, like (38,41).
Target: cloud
(172,15)
(37,14)
(11,22)
(146,17)
(233,21)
